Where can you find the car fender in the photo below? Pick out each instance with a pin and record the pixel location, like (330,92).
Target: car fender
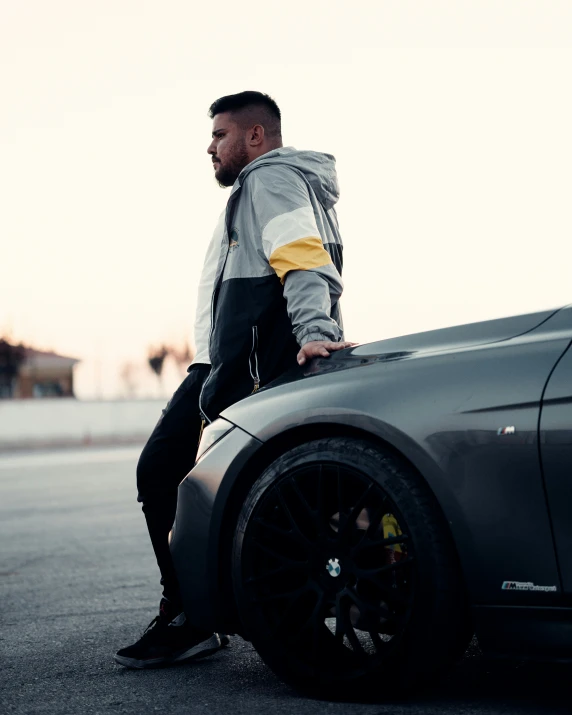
(445,413)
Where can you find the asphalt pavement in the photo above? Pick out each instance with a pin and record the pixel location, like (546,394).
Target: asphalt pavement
(78,581)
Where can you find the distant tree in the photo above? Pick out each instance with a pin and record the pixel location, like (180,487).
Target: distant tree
(156,357)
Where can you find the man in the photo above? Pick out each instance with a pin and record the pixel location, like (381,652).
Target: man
(268,297)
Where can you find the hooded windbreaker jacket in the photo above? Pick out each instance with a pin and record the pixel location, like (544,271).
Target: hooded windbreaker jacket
(272,276)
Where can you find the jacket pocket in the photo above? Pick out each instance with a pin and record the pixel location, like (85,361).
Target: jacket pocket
(253,359)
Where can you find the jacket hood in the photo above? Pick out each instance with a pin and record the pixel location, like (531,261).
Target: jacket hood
(318,168)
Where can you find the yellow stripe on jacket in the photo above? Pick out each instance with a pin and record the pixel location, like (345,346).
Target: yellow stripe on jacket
(301,255)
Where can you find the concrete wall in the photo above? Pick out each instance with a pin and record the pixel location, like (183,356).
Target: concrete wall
(28,424)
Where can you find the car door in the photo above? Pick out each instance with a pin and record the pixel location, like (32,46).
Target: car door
(556,457)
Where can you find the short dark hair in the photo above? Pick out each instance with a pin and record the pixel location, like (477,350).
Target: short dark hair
(254,106)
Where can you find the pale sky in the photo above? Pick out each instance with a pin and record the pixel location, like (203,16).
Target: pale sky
(450,122)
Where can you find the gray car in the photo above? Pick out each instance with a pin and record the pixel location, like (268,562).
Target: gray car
(362,517)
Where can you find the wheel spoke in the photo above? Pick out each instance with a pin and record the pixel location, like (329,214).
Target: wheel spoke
(312,620)
(287,534)
(319,631)
(389,594)
(309,511)
(374,522)
(377,642)
(368,573)
(370,609)
(275,572)
(290,608)
(286,508)
(339,633)
(276,596)
(348,630)
(340,499)
(322,516)
(377,551)
(354,513)
(344,625)
(267,549)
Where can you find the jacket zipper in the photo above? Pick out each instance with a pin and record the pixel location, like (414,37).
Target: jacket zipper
(204,419)
(253,363)
(216,284)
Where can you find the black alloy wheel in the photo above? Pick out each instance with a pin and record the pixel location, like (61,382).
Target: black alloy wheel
(325,568)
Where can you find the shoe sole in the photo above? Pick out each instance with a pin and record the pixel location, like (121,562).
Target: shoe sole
(200,650)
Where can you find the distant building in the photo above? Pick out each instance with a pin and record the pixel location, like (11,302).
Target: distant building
(29,373)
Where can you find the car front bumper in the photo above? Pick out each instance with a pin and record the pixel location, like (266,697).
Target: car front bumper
(195,537)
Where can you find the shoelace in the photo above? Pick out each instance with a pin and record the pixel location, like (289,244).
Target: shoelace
(149,628)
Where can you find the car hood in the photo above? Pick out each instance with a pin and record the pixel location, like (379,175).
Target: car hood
(458,337)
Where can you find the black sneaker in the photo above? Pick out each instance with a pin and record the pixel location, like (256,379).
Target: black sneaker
(167,641)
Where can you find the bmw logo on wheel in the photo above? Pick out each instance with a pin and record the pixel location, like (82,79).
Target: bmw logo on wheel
(333,568)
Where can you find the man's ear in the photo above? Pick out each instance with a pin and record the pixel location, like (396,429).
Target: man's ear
(256,135)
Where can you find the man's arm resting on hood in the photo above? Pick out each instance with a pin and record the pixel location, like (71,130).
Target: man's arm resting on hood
(295,250)
(309,296)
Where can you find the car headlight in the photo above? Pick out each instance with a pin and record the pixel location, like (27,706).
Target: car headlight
(211,435)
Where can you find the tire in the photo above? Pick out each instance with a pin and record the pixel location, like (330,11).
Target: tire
(315,558)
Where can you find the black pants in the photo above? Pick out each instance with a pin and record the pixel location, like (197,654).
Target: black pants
(167,458)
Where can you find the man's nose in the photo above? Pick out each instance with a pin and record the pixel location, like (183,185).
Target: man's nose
(211,149)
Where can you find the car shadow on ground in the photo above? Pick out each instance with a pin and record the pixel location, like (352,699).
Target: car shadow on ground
(477,685)
(483,684)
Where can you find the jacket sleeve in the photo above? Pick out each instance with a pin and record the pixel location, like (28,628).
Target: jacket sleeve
(295,250)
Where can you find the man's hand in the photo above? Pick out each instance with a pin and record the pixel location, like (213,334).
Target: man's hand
(320,348)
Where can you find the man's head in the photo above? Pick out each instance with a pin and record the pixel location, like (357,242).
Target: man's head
(245,126)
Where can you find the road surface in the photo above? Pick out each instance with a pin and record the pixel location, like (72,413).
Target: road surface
(78,581)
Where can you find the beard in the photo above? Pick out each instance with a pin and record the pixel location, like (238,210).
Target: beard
(226,174)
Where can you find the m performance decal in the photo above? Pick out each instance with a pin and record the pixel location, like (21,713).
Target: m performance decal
(525,586)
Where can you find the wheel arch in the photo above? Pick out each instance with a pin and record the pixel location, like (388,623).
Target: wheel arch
(268,453)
